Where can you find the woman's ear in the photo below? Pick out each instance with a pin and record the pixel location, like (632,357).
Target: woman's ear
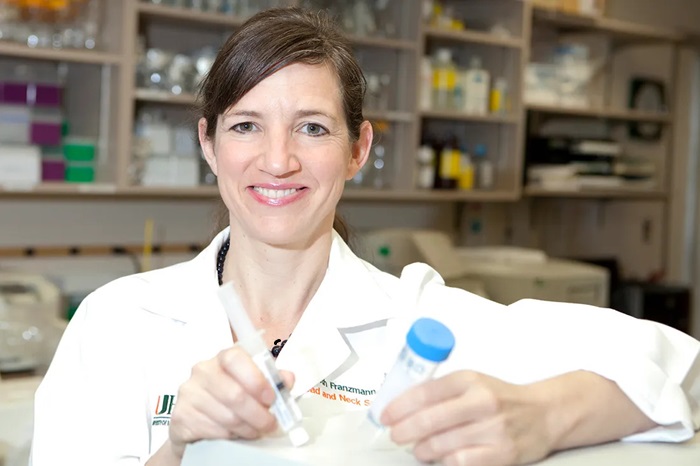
(207,145)
(360,149)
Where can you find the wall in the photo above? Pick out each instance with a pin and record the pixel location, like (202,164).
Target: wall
(33,223)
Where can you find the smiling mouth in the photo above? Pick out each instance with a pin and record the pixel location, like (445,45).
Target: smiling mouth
(276,193)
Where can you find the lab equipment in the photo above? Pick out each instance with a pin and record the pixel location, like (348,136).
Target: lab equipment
(510,274)
(501,273)
(30,326)
(428,343)
(284,408)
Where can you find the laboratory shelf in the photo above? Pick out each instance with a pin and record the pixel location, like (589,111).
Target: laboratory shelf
(383,42)
(188,16)
(395,116)
(151,95)
(603,113)
(474,37)
(461,116)
(60,189)
(60,55)
(628,193)
(93,190)
(616,28)
(377,195)
(170,191)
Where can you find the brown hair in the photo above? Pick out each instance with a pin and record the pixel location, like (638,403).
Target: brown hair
(271,40)
(266,43)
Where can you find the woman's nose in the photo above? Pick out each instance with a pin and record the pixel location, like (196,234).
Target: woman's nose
(279,156)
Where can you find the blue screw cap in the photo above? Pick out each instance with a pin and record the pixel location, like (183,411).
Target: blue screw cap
(430,339)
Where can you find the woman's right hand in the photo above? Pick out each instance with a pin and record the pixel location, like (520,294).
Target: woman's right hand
(226,397)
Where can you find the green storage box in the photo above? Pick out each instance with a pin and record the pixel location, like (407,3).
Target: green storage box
(80,173)
(78,150)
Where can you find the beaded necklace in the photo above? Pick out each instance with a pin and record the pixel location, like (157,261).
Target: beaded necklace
(221,258)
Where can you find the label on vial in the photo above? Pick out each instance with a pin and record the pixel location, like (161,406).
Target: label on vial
(409,370)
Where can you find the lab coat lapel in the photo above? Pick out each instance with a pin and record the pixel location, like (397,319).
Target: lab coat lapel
(349,296)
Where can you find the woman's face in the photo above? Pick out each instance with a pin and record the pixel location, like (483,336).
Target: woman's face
(282,155)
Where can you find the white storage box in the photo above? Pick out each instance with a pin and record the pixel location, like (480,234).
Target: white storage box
(171,171)
(20,166)
(15,122)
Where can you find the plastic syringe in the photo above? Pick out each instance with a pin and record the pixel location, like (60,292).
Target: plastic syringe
(284,408)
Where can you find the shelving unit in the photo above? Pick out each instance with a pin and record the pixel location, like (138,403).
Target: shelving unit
(461,116)
(603,113)
(627,55)
(620,30)
(628,222)
(185,16)
(504,55)
(590,193)
(474,37)
(10,49)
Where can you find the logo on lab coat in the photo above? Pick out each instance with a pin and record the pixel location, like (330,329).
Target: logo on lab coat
(164,408)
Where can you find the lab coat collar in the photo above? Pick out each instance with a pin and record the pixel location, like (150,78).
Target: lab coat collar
(352,294)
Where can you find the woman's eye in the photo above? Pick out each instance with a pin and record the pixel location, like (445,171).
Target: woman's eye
(313,129)
(245,127)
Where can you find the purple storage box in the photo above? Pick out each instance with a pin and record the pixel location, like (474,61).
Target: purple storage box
(53,170)
(45,133)
(44,95)
(13,93)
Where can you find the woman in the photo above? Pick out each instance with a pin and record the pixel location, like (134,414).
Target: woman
(147,365)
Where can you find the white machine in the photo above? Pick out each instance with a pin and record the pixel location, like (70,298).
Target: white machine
(30,325)
(503,274)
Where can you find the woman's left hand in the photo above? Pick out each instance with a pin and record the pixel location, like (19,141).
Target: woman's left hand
(468,418)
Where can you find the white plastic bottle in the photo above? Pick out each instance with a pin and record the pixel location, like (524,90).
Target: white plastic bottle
(426,84)
(477,88)
(428,343)
(425,170)
(485,176)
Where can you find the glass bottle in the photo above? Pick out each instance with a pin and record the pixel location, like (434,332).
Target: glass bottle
(444,79)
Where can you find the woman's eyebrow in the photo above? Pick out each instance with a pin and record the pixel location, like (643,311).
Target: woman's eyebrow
(311,112)
(247,113)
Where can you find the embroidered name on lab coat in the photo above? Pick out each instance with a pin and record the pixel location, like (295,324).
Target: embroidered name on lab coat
(344,393)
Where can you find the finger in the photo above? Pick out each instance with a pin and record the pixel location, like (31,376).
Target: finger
(231,406)
(240,366)
(426,394)
(465,438)
(482,455)
(288,379)
(206,427)
(437,418)
(189,425)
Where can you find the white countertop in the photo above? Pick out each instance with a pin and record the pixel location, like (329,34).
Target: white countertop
(217,452)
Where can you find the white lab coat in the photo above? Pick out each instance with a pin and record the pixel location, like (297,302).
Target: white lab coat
(107,396)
